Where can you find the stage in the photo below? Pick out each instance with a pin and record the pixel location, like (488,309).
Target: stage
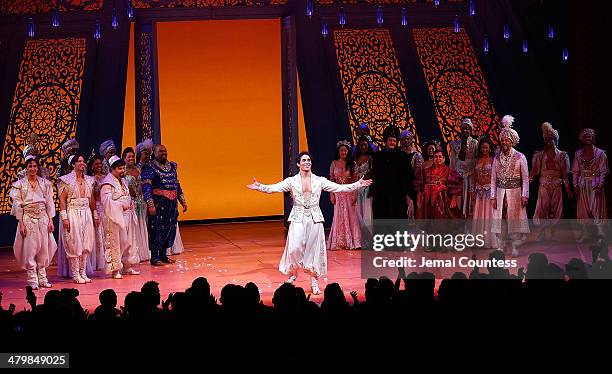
(239,253)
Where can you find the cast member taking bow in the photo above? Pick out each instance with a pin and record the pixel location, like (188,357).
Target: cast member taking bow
(305,247)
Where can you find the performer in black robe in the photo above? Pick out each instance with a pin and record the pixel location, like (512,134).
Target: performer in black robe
(393,179)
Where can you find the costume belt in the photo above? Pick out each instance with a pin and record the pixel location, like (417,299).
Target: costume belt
(35,210)
(550,181)
(509,184)
(589,174)
(79,203)
(168,194)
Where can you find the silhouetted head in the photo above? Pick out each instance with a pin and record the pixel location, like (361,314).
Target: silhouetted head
(108,298)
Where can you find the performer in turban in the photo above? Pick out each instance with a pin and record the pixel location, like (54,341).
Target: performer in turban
(510,189)
(589,171)
(107,150)
(552,165)
(462,160)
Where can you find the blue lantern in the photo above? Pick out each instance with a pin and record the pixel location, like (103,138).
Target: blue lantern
(507,33)
(97,31)
(436,3)
(114,20)
(342,17)
(525,46)
(324,30)
(565,54)
(472,8)
(309,8)
(551,32)
(130,10)
(55,21)
(404,17)
(31,31)
(456,24)
(486,44)
(379,16)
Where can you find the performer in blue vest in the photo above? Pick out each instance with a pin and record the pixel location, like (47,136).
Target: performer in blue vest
(162,192)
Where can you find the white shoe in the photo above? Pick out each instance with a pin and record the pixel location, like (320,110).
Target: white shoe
(131,271)
(42,278)
(292,279)
(314,284)
(117,275)
(82,269)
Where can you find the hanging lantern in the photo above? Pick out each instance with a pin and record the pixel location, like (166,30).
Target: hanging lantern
(436,3)
(379,16)
(97,31)
(404,17)
(130,10)
(472,8)
(456,24)
(324,30)
(55,20)
(551,32)
(31,31)
(309,8)
(114,20)
(507,33)
(342,17)
(486,44)
(525,46)
(565,54)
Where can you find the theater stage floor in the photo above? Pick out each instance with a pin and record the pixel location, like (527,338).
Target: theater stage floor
(232,253)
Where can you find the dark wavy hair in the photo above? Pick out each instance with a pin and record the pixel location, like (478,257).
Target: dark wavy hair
(487,140)
(35,159)
(90,164)
(303,153)
(350,163)
(75,158)
(358,152)
(425,155)
(126,151)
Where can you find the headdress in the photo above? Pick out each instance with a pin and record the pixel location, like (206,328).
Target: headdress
(586,131)
(70,147)
(107,146)
(507,131)
(113,160)
(547,129)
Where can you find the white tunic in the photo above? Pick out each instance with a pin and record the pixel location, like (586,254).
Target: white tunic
(119,224)
(305,247)
(34,207)
(510,183)
(81,239)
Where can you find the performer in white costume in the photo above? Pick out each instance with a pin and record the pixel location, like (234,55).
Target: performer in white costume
(305,247)
(462,160)
(119,222)
(77,214)
(33,207)
(510,189)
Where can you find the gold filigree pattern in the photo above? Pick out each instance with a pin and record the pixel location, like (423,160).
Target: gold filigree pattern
(374,90)
(145,85)
(145,4)
(456,82)
(43,6)
(46,102)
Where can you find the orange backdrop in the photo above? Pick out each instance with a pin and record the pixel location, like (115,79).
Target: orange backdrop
(220,113)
